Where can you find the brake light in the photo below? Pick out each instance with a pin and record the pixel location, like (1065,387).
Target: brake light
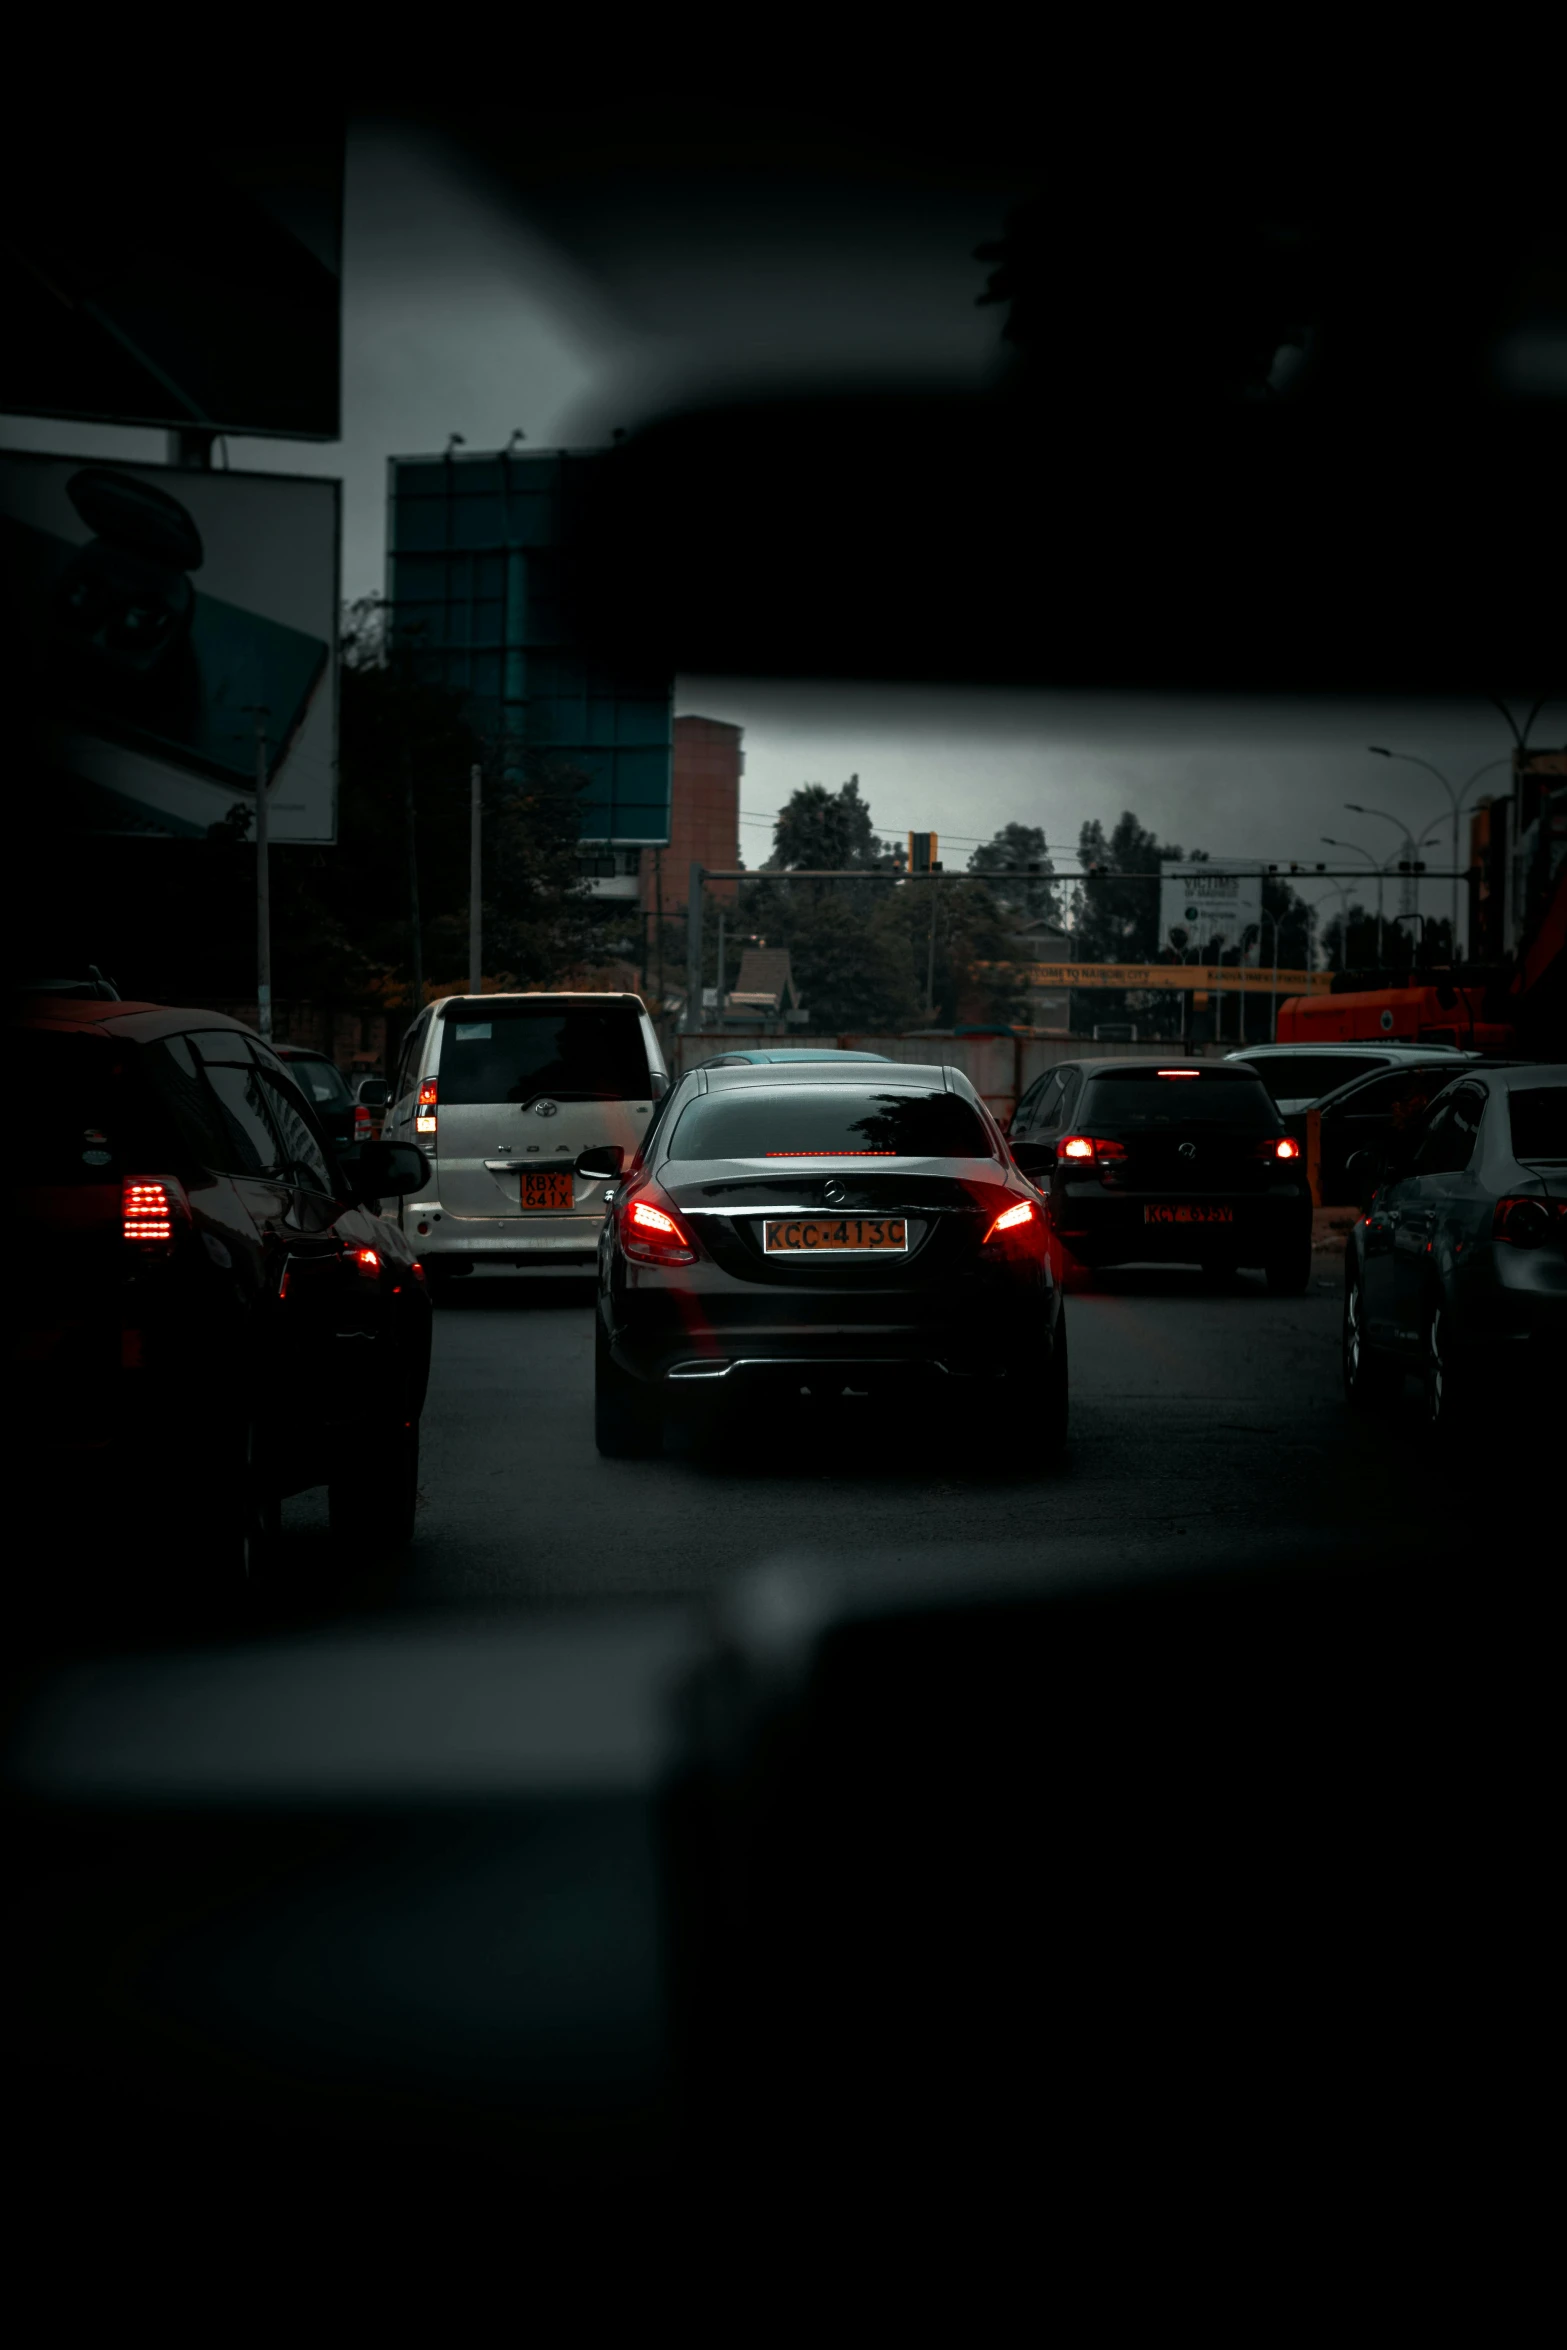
(1526,1222)
(652,1235)
(1283,1147)
(366,1261)
(151,1206)
(424,1114)
(1095,1148)
(1013,1219)
(1180,1072)
(362,1123)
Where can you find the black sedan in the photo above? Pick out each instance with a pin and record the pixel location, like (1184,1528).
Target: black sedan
(826,1228)
(1457,1270)
(1168,1160)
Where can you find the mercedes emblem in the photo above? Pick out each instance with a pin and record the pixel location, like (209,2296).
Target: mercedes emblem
(833,1190)
(1188,1150)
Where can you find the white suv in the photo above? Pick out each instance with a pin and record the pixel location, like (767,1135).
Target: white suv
(504,1094)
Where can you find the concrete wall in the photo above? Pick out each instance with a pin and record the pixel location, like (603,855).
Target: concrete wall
(1000,1068)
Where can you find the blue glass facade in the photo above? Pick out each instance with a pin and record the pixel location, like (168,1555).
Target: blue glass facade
(474,562)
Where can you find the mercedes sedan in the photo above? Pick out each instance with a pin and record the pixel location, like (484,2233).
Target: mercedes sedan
(822,1228)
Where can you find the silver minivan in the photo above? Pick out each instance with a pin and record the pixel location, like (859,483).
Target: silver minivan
(503,1094)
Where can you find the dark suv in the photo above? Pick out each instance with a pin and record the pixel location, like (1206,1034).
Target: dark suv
(208,1294)
(1167,1159)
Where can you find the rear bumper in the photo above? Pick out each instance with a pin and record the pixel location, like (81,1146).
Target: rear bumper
(1092,1223)
(501,1240)
(688,1358)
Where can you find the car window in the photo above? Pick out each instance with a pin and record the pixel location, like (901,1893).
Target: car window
(175,1078)
(322,1082)
(249,1141)
(839,1121)
(304,1146)
(1117,1104)
(1306,1077)
(1400,1096)
(1037,1105)
(77,1114)
(515,1052)
(1061,1111)
(1537,1118)
(408,1060)
(1447,1144)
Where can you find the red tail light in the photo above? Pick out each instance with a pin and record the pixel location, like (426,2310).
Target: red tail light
(1014,1221)
(1526,1222)
(1082,1150)
(366,1260)
(1283,1147)
(362,1123)
(424,1115)
(152,1206)
(651,1233)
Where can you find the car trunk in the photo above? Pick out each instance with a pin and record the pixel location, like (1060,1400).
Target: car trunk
(485,1151)
(944,1218)
(1196,1155)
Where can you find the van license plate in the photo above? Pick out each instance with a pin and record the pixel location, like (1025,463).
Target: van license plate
(1189,1213)
(812,1235)
(547,1191)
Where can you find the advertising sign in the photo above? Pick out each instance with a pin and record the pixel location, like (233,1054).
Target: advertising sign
(1210,902)
(149,614)
(1250,979)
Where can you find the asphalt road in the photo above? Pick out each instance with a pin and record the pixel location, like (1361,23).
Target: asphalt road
(1192,1410)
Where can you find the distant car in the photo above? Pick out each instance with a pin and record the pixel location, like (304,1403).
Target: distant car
(346,1117)
(1175,1160)
(1457,1270)
(207,1301)
(788,1053)
(1299,1074)
(831,1228)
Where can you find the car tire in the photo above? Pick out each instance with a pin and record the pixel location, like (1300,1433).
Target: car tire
(1371,1379)
(628,1424)
(232,1532)
(371,1506)
(1288,1270)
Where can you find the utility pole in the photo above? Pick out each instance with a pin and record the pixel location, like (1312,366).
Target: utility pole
(475,904)
(720,963)
(930,961)
(658,916)
(694,952)
(415,927)
(263,882)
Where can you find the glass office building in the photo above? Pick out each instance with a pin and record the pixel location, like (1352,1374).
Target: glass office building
(475,550)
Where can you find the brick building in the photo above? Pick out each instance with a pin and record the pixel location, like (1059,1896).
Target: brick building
(704,815)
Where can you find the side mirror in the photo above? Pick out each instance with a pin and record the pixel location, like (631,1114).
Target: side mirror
(373,1093)
(1364,1170)
(1034,1158)
(384,1170)
(658,1085)
(602,1159)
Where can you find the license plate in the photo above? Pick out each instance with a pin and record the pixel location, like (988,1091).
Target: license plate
(812,1235)
(547,1191)
(1188,1214)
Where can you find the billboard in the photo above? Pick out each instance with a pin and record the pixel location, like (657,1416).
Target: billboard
(148,613)
(1208,902)
(187,277)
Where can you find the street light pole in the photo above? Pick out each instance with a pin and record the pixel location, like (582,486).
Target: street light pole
(1409,890)
(1381,873)
(263,881)
(475,907)
(1456,800)
(1273,993)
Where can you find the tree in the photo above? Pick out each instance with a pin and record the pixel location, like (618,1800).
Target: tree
(1019,850)
(1118,921)
(820,828)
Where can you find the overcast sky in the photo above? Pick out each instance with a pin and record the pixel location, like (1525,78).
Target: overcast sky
(458,319)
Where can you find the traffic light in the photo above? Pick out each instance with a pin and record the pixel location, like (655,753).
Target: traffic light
(922,853)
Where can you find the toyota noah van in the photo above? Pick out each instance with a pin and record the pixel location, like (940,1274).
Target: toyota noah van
(504,1094)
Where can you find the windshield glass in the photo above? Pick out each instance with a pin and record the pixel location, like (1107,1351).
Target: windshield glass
(830,1122)
(573,1052)
(1116,1102)
(323,1081)
(1296,1077)
(1538,1114)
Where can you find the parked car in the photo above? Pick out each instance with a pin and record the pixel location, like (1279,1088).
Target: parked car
(1299,1074)
(789,1053)
(207,1296)
(1457,1270)
(346,1111)
(1174,1160)
(504,1093)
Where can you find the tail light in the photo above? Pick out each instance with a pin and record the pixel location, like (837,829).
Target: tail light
(1090,1150)
(1019,1227)
(363,1123)
(424,1115)
(1285,1147)
(366,1261)
(1526,1222)
(652,1234)
(152,1207)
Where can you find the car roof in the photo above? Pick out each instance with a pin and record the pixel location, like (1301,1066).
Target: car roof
(1147,1068)
(1368,1044)
(140,1022)
(787,1053)
(927,1076)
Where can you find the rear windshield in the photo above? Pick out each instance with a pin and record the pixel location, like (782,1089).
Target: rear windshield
(1116,1102)
(78,1108)
(322,1082)
(836,1122)
(1539,1121)
(573,1053)
(1307,1076)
